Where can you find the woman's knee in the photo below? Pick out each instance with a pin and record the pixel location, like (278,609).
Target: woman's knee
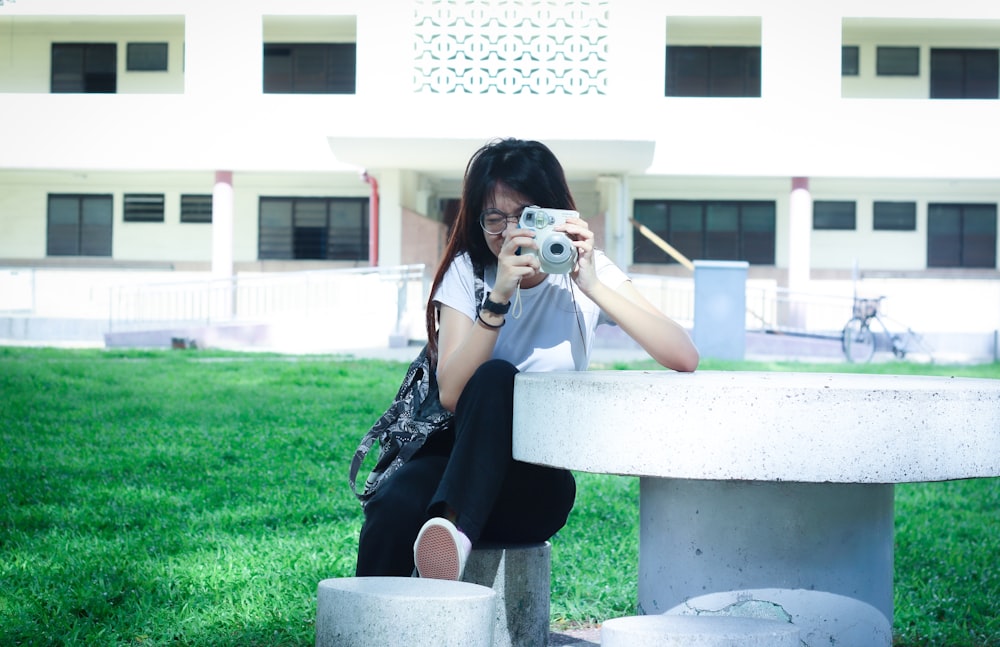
(493,371)
(491,385)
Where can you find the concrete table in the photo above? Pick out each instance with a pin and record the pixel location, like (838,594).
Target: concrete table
(755,480)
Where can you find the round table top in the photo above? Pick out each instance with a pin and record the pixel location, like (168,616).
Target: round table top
(760,426)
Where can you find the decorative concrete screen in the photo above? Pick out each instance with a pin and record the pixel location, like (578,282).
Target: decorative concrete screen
(528,47)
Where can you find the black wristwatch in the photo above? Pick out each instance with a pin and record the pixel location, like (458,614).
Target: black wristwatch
(494,307)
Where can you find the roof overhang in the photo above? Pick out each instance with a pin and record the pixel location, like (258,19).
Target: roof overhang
(448,157)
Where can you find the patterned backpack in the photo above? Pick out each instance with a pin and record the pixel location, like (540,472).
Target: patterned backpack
(415,413)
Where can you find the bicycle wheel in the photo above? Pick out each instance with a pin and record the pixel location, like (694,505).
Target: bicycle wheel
(858,341)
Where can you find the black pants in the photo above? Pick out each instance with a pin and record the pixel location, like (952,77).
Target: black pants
(471,471)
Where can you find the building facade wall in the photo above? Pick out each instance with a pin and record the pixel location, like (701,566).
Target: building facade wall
(436,78)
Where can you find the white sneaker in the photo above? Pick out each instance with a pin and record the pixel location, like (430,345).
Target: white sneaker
(441,550)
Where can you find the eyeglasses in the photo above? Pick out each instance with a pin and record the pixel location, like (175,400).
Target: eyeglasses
(493,221)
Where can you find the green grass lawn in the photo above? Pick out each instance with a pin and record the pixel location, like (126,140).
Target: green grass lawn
(197,498)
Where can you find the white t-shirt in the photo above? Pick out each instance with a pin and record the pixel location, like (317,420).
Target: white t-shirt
(547,334)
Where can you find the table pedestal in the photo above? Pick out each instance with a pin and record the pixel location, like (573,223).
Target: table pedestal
(775,485)
(699,537)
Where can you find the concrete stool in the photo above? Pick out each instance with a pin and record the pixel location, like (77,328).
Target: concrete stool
(366,611)
(520,576)
(823,618)
(697,631)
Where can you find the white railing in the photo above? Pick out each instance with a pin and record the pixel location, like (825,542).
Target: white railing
(673,296)
(17,290)
(775,309)
(355,308)
(768,307)
(288,296)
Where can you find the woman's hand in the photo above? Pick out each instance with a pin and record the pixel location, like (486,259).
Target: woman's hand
(512,267)
(584,273)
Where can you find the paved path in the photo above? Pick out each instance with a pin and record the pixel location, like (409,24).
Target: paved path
(585,637)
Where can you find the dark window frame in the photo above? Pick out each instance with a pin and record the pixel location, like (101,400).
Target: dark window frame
(143,207)
(292,228)
(850,60)
(894,215)
(712,71)
(310,68)
(146,57)
(953,239)
(193,208)
(687,226)
(81,235)
(894,60)
(965,73)
(87,68)
(834,215)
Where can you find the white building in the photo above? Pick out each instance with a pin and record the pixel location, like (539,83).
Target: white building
(163,140)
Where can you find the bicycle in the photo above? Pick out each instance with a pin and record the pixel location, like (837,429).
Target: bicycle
(858,339)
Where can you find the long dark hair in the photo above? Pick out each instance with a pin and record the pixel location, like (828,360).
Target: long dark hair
(527,168)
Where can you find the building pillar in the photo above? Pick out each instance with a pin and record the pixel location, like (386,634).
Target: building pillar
(800,49)
(222,225)
(223,50)
(799,240)
(390,225)
(613,192)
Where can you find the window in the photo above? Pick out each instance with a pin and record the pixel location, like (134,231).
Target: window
(310,68)
(897,61)
(962,235)
(696,71)
(84,67)
(146,57)
(894,216)
(834,214)
(709,230)
(79,225)
(143,207)
(849,60)
(196,208)
(965,73)
(313,228)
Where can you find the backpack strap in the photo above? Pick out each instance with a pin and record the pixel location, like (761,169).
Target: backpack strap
(480,274)
(419,371)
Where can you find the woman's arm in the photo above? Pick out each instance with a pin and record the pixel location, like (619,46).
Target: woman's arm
(665,340)
(660,336)
(463,346)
